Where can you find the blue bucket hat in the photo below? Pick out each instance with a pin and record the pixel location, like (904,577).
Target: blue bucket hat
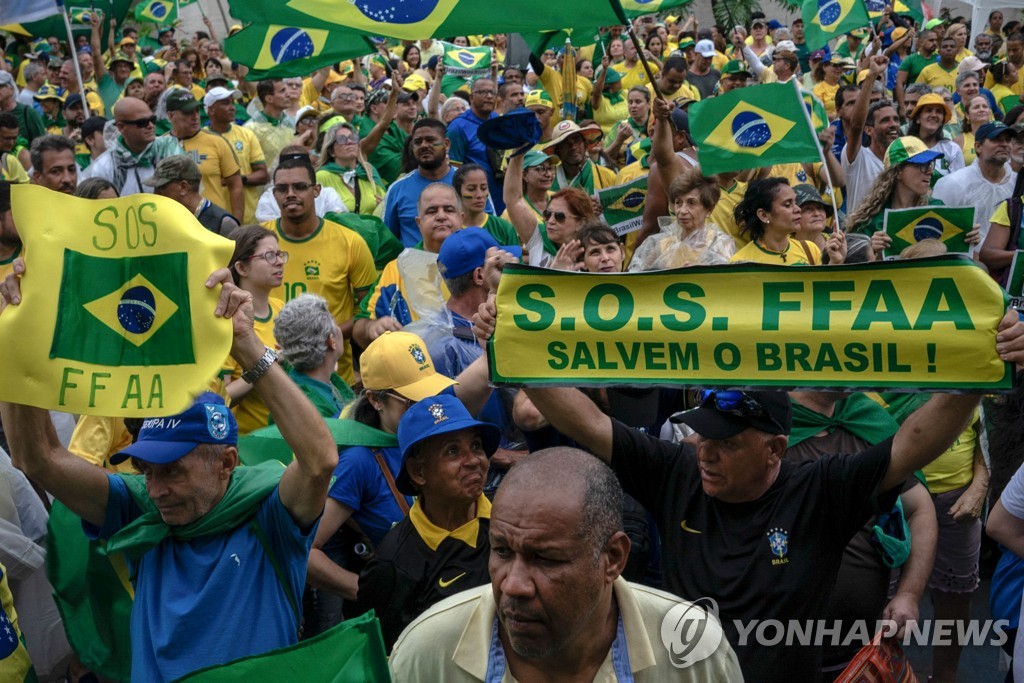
(515,129)
(466,250)
(434,416)
(163,440)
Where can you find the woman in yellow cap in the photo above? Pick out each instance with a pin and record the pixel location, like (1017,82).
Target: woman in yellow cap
(397,372)
(927,123)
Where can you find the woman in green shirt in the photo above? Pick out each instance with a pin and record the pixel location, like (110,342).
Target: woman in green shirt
(344,168)
(470,181)
(1005,76)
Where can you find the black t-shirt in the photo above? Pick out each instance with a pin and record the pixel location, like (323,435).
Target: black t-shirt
(774,558)
(705,84)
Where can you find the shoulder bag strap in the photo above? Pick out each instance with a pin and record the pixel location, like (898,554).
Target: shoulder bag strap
(810,258)
(399,498)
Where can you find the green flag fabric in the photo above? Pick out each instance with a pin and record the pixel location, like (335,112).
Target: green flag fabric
(752,127)
(623,205)
(826,19)
(856,413)
(267,443)
(948,224)
(351,652)
(93,594)
(279,51)
(156,11)
(145,321)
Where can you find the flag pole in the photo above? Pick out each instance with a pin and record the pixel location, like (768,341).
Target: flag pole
(821,152)
(621,14)
(74,54)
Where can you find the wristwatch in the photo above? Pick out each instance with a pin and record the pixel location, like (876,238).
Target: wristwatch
(262,365)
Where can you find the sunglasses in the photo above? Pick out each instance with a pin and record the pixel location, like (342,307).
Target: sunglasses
(346,140)
(271,257)
(140,123)
(284,188)
(557,216)
(735,403)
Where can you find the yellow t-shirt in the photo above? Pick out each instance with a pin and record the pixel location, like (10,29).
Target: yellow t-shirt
(248,154)
(607,114)
(11,169)
(15,665)
(723,217)
(954,468)
(216,161)
(795,255)
(368,191)
(635,75)
(686,91)
(333,262)
(252,413)
(936,76)
(827,94)
(95,439)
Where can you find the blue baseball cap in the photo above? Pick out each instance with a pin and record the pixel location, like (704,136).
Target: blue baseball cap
(434,416)
(464,251)
(163,440)
(992,130)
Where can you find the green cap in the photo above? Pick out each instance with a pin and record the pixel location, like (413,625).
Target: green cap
(932,23)
(909,149)
(331,123)
(734,67)
(172,169)
(686,43)
(612,76)
(535,158)
(538,97)
(180,99)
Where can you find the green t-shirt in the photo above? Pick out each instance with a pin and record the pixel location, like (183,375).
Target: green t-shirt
(109,91)
(913,65)
(387,158)
(501,230)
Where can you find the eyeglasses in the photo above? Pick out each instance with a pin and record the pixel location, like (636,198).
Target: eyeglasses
(271,257)
(346,98)
(923,168)
(284,188)
(544,170)
(140,123)
(401,399)
(347,140)
(558,216)
(485,92)
(735,403)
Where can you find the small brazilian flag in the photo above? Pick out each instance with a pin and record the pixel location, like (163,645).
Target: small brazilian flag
(816,110)
(156,11)
(276,51)
(635,8)
(80,16)
(463,65)
(948,224)
(623,205)
(752,127)
(826,19)
(124,311)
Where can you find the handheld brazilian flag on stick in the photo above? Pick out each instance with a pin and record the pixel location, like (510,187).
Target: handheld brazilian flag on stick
(157,11)
(826,19)
(752,127)
(948,224)
(463,65)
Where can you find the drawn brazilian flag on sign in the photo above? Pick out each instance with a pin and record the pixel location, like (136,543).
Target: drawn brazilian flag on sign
(623,205)
(144,320)
(752,127)
(826,19)
(156,11)
(948,224)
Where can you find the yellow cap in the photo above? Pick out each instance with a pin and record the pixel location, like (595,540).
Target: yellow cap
(399,362)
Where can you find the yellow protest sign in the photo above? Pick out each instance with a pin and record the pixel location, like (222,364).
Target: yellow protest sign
(927,323)
(115,317)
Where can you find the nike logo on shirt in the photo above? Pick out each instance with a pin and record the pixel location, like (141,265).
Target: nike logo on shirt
(444,584)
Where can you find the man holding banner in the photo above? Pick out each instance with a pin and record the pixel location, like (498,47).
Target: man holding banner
(221,547)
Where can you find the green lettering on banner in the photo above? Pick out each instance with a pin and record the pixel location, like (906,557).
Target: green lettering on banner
(545,311)
(103,245)
(623,307)
(133,392)
(773,303)
(926,324)
(881,292)
(95,386)
(66,384)
(944,289)
(156,393)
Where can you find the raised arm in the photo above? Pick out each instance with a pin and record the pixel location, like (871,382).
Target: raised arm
(520,214)
(576,416)
(860,108)
(669,164)
(98,63)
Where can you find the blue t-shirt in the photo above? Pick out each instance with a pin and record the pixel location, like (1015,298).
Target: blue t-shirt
(466,148)
(211,600)
(359,484)
(400,202)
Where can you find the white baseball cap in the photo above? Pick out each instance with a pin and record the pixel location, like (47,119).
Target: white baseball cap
(217,94)
(787,45)
(705,48)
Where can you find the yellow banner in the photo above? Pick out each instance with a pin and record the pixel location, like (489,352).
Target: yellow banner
(115,317)
(926,323)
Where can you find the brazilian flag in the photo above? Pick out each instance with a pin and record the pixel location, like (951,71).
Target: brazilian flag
(816,110)
(276,51)
(156,11)
(124,311)
(752,127)
(635,8)
(948,224)
(826,19)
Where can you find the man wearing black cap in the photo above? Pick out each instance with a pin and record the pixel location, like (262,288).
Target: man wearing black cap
(760,535)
